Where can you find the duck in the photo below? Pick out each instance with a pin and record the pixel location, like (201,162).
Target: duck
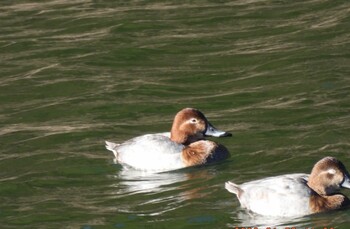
(184,146)
(295,195)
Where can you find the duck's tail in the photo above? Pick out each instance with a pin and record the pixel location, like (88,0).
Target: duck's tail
(112,147)
(233,188)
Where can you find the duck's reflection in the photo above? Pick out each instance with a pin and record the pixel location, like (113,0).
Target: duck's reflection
(185,182)
(248,219)
(151,194)
(139,181)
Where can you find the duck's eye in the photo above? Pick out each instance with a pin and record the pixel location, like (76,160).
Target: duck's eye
(331,171)
(193,120)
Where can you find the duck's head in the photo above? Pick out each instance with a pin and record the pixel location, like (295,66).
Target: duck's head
(328,176)
(191,125)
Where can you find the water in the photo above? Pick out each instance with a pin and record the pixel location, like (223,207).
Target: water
(74,73)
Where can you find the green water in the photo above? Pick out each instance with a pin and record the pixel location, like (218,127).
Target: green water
(75,73)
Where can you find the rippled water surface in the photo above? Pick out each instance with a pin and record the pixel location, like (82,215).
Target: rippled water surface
(74,73)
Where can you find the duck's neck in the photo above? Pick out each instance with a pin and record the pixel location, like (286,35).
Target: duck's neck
(319,189)
(184,138)
(180,138)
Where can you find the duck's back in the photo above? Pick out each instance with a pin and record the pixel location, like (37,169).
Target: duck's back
(285,195)
(151,152)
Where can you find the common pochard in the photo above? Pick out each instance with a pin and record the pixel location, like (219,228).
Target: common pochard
(294,195)
(184,146)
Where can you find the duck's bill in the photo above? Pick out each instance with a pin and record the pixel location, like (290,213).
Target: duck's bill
(346,181)
(213,132)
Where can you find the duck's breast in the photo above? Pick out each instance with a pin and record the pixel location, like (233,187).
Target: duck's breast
(286,195)
(151,152)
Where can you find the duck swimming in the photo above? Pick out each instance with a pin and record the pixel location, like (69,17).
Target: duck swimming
(295,195)
(184,146)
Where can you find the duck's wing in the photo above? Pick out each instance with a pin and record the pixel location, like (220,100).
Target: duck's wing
(150,152)
(166,134)
(151,144)
(286,195)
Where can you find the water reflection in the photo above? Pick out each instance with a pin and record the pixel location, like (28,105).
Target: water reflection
(180,184)
(243,218)
(248,219)
(151,194)
(134,181)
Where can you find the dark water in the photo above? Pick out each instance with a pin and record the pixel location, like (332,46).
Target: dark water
(74,73)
